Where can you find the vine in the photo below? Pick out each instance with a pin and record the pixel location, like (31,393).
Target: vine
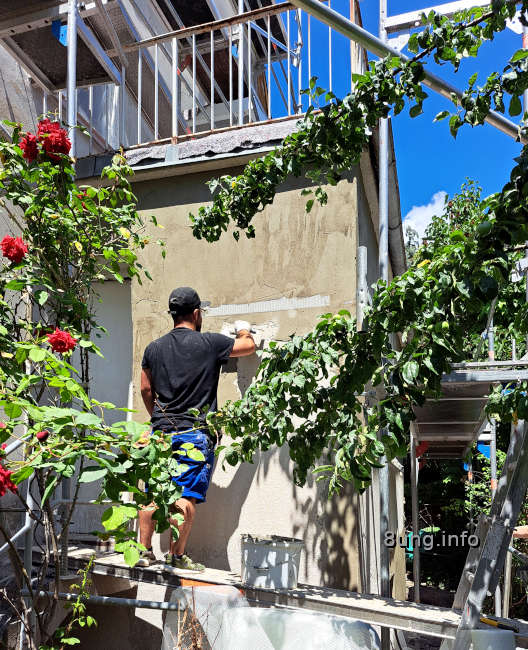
(309,392)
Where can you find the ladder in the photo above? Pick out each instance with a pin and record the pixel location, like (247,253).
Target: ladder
(485,563)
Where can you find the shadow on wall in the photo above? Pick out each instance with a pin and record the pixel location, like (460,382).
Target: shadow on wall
(214,516)
(328,527)
(151,198)
(235,494)
(333,528)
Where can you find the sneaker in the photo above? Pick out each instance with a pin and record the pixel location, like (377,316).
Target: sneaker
(184,562)
(146,558)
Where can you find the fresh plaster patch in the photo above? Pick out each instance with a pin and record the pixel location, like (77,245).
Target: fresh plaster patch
(279,304)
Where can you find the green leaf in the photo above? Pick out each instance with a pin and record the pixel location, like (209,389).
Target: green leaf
(454,124)
(41,296)
(412,45)
(88,420)
(457,235)
(15,285)
(410,371)
(134,428)
(131,556)
(37,354)
(232,457)
(50,486)
(441,116)
(519,55)
(21,355)
(299,380)
(85,344)
(12,410)
(428,364)
(196,454)
(22,474)
(92,473)
(115,516)
(515,106)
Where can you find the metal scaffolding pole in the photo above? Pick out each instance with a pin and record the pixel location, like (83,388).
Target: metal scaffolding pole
(378,47)
(72,121)
(240,65)
(493,489)
(384,476)
(415,523)
(525,47)
(72,75)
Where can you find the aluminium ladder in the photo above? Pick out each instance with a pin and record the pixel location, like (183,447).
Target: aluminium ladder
(485,563)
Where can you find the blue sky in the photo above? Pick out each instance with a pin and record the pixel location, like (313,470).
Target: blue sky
(430,162)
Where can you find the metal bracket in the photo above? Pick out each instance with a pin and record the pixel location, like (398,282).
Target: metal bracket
(400,41)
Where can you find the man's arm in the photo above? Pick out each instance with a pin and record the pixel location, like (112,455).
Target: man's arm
(244,343)
(147,392)
(520,532)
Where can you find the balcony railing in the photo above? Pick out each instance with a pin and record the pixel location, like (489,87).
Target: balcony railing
(244,70)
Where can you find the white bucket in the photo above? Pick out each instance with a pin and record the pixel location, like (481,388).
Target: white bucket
(271,562)
(493,640)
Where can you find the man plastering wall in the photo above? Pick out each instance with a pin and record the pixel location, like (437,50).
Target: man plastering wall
(180,372)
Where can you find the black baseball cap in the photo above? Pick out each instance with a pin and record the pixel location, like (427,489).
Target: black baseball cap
(184,300)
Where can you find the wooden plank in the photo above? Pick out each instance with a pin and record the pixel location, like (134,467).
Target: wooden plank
(374,610)
(400,615)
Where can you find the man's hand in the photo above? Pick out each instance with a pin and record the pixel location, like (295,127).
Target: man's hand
(244,343)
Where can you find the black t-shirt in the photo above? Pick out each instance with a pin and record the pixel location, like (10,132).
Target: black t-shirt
(185,367)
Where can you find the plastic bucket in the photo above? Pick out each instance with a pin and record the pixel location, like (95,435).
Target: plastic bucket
(271,562)
(493,640)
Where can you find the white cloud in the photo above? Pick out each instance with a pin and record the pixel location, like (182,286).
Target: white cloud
(419,216)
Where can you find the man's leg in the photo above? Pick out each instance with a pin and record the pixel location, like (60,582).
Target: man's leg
(146,525)
(187,507)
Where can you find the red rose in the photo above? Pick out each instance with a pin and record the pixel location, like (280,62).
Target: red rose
(13,248)
(53,138)
(61,341)
(5,481)
(29,146)
(42,436)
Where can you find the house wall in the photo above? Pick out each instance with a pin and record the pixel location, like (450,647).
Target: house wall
(294,255)
(109,381)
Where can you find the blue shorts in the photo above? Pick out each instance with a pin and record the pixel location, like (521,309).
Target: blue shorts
(195,479)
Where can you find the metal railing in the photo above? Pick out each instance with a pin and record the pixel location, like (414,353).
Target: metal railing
(247,69)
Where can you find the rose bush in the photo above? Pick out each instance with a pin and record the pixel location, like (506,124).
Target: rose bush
(71,239)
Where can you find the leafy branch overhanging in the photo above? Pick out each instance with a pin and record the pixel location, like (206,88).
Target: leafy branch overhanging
(308,392)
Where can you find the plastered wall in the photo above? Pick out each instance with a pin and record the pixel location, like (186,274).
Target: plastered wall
(294,255)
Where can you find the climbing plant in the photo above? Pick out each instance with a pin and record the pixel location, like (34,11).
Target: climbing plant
(66,240)
(309,390)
